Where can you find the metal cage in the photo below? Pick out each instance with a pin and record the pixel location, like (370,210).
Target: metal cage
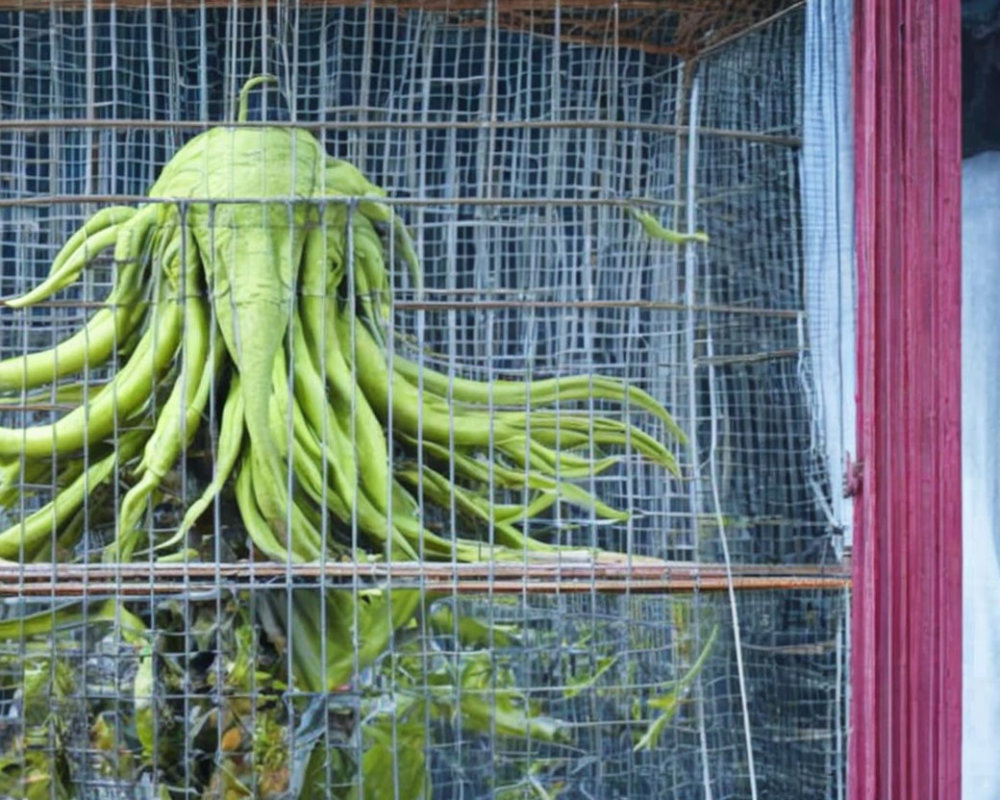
(696,647)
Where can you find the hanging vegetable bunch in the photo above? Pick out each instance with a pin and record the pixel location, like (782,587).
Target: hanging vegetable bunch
(241,278)
(254,289)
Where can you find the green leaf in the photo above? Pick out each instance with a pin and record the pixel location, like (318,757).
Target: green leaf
(669,703)
(577,685)
(470,631)
(499,712)
(395,758)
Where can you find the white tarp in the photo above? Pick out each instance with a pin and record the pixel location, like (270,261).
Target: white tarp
(828,239)
(981,477)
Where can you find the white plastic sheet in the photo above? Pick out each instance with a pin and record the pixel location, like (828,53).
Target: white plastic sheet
(828,238)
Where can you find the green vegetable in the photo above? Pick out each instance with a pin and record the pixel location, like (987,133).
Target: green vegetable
(254,289)
(653,228)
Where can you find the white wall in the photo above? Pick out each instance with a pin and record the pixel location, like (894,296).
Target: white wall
(981,476)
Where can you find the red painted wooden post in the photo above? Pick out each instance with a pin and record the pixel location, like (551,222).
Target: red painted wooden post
(905,739)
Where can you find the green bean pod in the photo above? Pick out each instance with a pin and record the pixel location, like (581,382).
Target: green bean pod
(443,493)
(89,347)
(95,420)
(496,474)
(107,217)
(23,538)
(538,393)
(227,454)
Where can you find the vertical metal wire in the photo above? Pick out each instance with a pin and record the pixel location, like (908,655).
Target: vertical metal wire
(491,63)
(352,294)
(685,146)
(713,440)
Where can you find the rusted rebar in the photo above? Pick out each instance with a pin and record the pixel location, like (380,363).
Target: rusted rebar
(568,574)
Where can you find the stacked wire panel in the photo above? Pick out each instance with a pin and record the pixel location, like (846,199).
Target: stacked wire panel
(554,254)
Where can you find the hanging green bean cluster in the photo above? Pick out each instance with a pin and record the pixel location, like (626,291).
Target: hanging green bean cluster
(254,289)
(245,279)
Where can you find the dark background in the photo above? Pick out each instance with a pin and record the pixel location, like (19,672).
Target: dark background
(980,76)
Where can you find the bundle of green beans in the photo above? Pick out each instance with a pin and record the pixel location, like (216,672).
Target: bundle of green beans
(255,286)
(246,279)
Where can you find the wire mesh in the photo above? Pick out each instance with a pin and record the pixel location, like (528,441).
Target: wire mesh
(702,654)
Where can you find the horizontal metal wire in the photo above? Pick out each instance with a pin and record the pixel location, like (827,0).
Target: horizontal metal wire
(91,123)
(686,29)
(438,305)
(750,358)
(417,202)
(480,305)
(562,573)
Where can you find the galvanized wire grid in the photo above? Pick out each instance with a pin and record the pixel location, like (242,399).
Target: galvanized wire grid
(511,155)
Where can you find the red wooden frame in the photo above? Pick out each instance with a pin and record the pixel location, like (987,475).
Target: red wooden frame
(906,723)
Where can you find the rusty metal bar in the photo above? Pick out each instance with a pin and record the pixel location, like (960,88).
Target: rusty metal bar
(507,586)
(605,575)
(566,564)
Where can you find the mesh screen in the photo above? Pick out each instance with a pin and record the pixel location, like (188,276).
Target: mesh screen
(702,654)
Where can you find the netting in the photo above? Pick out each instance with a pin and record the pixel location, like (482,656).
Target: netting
(693,646)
